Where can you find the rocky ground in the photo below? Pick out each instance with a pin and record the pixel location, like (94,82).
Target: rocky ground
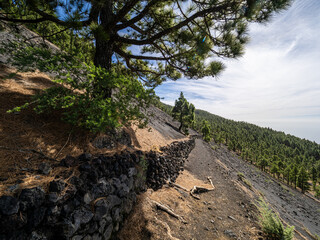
(294,207)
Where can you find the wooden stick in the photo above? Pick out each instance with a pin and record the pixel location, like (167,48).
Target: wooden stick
(167,210)
(55,157)
(197,189)
(194,196)
(209,178)
(178,186)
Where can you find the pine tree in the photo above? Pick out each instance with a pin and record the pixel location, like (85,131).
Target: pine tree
(274,169)
(183,111)
(294,174)
(286,174)
(173,38)
(303,180)
(314,174)
(206,131)
(263,163)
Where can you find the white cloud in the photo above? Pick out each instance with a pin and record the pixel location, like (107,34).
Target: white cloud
(277,81)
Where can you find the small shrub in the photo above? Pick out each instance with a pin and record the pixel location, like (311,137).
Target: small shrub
(272,225)
(248,183)
(240,176)
(215,147)
(11,75)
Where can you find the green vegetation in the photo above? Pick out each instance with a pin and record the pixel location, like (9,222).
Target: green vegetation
(183,111)
(317,190)
(293,160)
(173,40)
(142,170)
(105,85)
(79,90)
(242,178)
(206,131)
(272,225)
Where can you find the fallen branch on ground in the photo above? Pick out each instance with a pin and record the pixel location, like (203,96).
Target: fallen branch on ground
(210,180)
(195,190)
(28,150)
(55,157)
(194,196)
(178,186)
(170,212)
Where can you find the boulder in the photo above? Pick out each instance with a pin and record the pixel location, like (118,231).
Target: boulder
(56,186)
(101,210)
(9,205)
(31,198)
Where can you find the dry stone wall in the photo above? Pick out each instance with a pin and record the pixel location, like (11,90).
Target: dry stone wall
(93,204)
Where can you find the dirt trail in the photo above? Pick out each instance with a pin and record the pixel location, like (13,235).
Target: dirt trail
(231,201)
(293,207)
(226,212)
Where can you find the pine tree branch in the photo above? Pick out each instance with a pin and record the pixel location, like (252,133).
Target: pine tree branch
(171,29)
(47,36)
(124,11)
(138,17)
(15,20)
(122,53)
(164,58)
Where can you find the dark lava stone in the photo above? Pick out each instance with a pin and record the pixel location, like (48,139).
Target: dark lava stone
(56,186)
(8,205)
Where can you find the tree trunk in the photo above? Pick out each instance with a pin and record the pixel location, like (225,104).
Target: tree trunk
(104,45)
(104,51)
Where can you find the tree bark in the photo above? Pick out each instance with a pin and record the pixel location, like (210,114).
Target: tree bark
(104,45)
(103,53)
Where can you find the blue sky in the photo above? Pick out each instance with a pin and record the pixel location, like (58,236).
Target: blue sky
(275,84)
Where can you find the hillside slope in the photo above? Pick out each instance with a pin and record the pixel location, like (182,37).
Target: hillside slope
(295,208)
